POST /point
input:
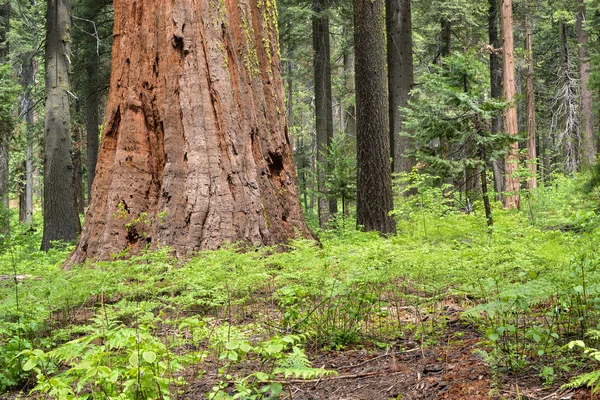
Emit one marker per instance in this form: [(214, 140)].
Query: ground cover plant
[(233, 324)]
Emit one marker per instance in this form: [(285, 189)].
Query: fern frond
[(590, 379), (297, 365)]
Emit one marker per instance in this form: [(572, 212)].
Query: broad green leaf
[(30, 364), (134, 360), (149, 356)]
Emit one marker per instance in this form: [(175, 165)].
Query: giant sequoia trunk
[(374, 184), (60, 216), (400, 79), (195, 151)]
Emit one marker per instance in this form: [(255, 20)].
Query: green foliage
[(340, 167), (589, 379), (448, 114), (8, 95), (152, 326)]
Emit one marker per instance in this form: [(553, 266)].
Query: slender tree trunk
[(446, 37), (569, 116), (26, 110), (400, 79), (195, 151), (323, 104), (587, 113), (92, 122), (4, 125), (445, 49), (495, 89), (530, 103), (350, 111), (511, 182), (374, 186), (60, 215), (22, 192)]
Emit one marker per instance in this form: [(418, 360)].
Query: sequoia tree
[(374, 184), (60, 216), (195, 151)]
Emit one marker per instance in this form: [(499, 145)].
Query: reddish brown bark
[(511, 182), (195, 132)]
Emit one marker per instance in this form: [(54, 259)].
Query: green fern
[(590, 379), (297, 365)]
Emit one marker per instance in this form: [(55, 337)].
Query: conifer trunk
[(323, 104), (4, 125), (26, 110), (587, 114), (511, 181), (195, 151), (60, 215), (350, 110), (530, 103), (374, 185), (495, 88), (400, 79)]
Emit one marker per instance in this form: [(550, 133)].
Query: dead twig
[(382, 356)]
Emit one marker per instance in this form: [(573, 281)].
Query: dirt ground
[(452, 369)]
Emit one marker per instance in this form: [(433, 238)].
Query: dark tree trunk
[(60, 214), (530, 103), (92, 121), (4, 125), (195, 152), (495, 88), (587, 113), (511, 164), (323, 104), (400, 79), (446, 38), (374, 185)]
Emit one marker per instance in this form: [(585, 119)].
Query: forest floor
[(451, 369), (447, 309)]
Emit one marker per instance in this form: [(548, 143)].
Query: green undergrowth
[(243, 323)]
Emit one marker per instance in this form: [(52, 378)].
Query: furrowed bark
[(195, 152), (511, 182), (374, 184)]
